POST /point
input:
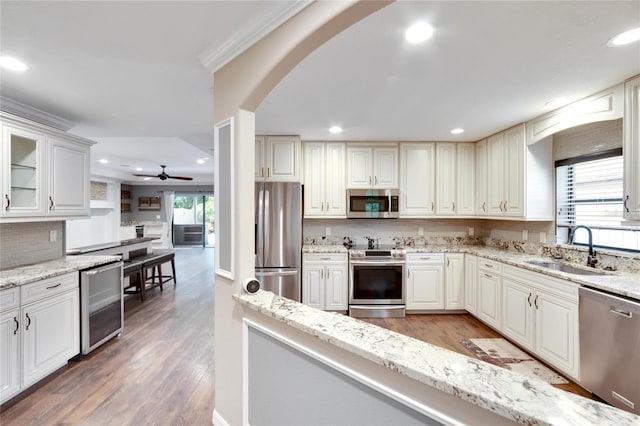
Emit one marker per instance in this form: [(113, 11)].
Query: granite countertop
[(27, 274), (504, 392), (621, 283), (104, 246)]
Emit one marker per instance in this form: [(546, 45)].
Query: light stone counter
[(324, 249), (30, 273), (504, 392)]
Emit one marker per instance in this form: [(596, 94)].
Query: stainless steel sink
[(563, 267)]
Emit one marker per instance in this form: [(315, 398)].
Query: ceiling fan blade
[(180, 177), (139, 175)]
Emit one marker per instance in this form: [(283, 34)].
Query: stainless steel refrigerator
[(278, 229)]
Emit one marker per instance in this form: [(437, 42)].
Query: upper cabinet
[(517, 178), (481, 171), (455, 179), (45, 172), (372, 167), (277, 158), (417, 179), (324, 179), (631, 149)]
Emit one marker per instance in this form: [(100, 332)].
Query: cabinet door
[(259, 161), (23, 154), (9, 354), (359, 167), (517, 312), (631, 147), (471, 283), (385, 167), (425, 286), (557, 332), (481, 178), (445, 178), (282, 158), (454, 281), (465, 179), (336, 287), (68, 183), (417, 179), (51, 335), (314, 179), (514, 166), (313, 284), (496, 175), (334, 171), (489, 298)]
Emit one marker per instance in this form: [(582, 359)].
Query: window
[(589, 192)]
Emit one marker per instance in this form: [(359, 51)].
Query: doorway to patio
[(193, 220)]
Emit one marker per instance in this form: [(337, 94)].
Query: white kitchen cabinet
[(489, 292), (325, 281), (45, 172), (277, 158), (454, 281), (425, 281), (541, 314), (69, 172), (481, 171), (39, 331), (372, 167), (455, 179), (471, 283), (417, 180), (631, 149), (519, 176), (324, 179)]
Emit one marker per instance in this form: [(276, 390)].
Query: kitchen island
[(122, 247)]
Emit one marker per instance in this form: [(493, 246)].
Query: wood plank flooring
[(447, 330), (160, 371)]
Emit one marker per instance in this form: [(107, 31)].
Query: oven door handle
[(377, 262)]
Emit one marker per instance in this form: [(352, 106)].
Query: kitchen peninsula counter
[(504, 392), (29, 273), (110, 245)]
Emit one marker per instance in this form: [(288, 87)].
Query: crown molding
[(215, 58), (34, 114)]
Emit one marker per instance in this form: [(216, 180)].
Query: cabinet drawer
[(324, 257), (9, 298), (48, 287), (552, 285), (490, 265), (425, 257)]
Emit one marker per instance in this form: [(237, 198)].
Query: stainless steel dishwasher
[(610, 348), (101, 305)]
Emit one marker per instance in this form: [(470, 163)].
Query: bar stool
[(133, 270), (154, 262)]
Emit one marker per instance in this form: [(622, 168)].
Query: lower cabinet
[(325, 281), (489, 292), (425, 281), (454, 281), (40, 335), (471, 283)]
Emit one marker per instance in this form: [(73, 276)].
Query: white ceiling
[(130, 75)]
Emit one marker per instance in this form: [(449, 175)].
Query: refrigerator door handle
[(266, 226), (276, 274), (260, 230)]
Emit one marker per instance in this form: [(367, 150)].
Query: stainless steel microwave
[(372, 203)]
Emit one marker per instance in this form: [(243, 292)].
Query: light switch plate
[(525, 234), (472, 231), (327, 231), (53, 236), (543, 237), (420, 231)]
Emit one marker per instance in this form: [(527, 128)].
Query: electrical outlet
[(543, 237), (525, 234), (472, 231), (53, 236), (158, 216), (327, 231), (420, 231)]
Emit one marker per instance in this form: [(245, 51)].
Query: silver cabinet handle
[(433, 206), (453, 209), (261, 171), (408, 273), (425, 258), (369, 180), (529, 299), (376, 180), (50, 203), (9, 202), (625, 204), (17, 326), (535, 302), (488, 276), (626, 314), (54, 286), (484, 203), (322, 273), (325, 258), (448, 262), (488, 265), (327, 206), (29, 323), (268, 172)]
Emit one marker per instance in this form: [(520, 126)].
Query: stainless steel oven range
[(377, 285)]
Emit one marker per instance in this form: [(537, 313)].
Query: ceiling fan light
[(625, 38)]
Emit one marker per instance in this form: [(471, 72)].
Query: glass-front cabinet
[(22, 174)]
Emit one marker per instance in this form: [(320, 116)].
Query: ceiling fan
[(164, 175)]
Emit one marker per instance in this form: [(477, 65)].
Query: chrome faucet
[(591, 259)]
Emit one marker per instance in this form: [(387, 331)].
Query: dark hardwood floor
[(160, 371), (447, 330)]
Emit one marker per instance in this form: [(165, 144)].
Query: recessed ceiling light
[(200, 161), (138, 169), (12, 64), (625, 38), (418, 32), (457, 131), (103, 160), (147, 178), (335, 129)]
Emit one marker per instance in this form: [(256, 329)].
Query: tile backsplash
[(28, 243)]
